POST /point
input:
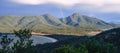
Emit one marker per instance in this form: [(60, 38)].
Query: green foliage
[(65, 49), (5, 41), (94, 46), (23, 45), (110, 36), (90, 46), (70, 49)]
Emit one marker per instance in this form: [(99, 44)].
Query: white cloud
[(37, 2), (68, 2), (99, 5)]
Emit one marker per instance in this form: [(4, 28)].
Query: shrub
[(5, 41), (23, 45), (90, 46)]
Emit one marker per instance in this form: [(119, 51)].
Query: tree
[(89, 46), (5, 41), (23, 44)]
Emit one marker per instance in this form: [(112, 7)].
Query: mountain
[(47, 22), (12, 22), (115, 24), (45, 19), (78, 20)]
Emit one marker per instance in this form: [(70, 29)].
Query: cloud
[(37, 2), (99, 5), (107, 8), (68, 2)]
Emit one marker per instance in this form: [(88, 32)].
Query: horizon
[(105, 10)]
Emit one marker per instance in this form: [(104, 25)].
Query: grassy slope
[(44, 23)]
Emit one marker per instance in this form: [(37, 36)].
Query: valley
[(49, 33), (59, 26)]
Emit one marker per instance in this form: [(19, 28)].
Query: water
[(36, 39)]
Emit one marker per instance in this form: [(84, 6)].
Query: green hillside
[(78, 20), (75, 24)]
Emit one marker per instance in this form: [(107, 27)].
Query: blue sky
[(107, 10)]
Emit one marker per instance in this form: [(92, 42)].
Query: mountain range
[(115, 24), (76, 20)]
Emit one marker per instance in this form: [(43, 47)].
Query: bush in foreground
[(90, 46), (23, 45)]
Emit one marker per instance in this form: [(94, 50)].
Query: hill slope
[(12, 22), (77, 20), (110, 36), (75, 23)]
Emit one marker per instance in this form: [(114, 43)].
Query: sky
[(107, 10)]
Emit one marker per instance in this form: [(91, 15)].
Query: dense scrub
[(106, 39), (106, 42), (88, 47), (78, 45)]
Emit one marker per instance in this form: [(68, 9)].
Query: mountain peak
[(76, 14), (47, 14), (78, 20)]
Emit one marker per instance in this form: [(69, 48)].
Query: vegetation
[(23, 45), (75, 24), (79, 31), (110, 36), (5, 41), (78, 20), (87, 46), (65, 44)]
